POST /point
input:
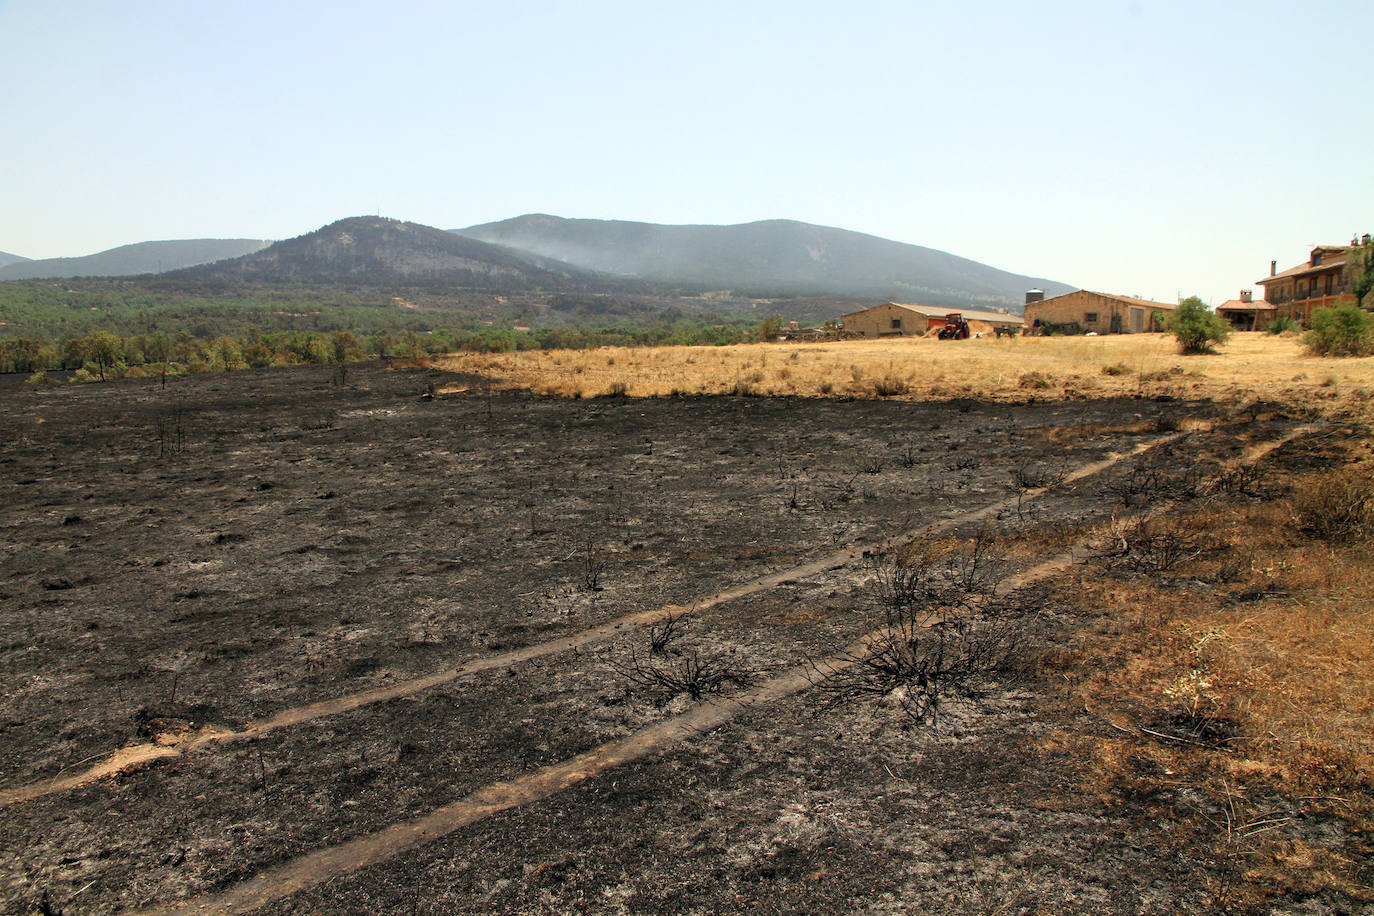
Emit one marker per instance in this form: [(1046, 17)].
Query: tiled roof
[(1147, 303), (1240, 305), (1306, 267)]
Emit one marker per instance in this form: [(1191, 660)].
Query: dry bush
[(1152, 545), (890, 386), (685, 673), (671, 671), (1336, 506), (939, 635)]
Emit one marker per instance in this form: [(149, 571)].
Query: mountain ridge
[(777, 255), (133, 259), (376, 249), (6, 258)]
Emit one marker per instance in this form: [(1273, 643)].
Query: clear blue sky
[(1130, 146)]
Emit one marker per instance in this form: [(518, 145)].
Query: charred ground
[(191, 560)]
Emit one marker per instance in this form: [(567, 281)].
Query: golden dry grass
[(1249, 366), (1289, 669)]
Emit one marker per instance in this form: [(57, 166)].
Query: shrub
[(938, 636), (1284, 325), (1346, 330), (890, 385), (1196, 327), (1337, 507), (682, 672)]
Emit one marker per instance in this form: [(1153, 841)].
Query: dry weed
[(1250, 367), (1253, 695)]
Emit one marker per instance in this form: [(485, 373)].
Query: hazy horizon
[(1150, 149)]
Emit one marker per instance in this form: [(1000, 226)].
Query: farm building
[(1325, 280), (899, 319), (1084, 310), (1245, 314)]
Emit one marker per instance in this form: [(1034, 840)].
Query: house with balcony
[(1325, 280)]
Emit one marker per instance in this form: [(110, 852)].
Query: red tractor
[(956, 328)]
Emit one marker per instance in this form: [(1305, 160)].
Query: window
[(1090, 317), (896, 324)]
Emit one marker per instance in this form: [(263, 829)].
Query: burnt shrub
[(941, 632), (675, 672), (1152, 545)]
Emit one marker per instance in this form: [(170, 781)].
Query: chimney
[(1273, 267), (1246, 296)]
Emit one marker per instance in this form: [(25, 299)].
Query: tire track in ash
[(707, 715), (167, 746)]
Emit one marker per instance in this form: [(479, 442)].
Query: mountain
[(370, 249), (7, 258), (128, 260), (769, 257)]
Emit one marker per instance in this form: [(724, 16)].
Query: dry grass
[(1256, 702), (1250, 366)]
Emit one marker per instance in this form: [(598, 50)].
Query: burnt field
[(282, 642)]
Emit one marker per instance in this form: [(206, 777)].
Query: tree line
[(105, 354)]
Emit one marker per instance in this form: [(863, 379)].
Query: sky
[(1145, 148)]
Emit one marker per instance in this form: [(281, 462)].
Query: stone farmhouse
[(899, 319), (1082, 311)]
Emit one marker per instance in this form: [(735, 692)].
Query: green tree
[(21, 354), (1196, 327), (226, 353), (72, 353), (1346, 330), (158, 349), (105, 350), (379, 344), (771, 328), (1360, 263), (343, 346)]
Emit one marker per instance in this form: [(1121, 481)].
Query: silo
[(1035, 295)]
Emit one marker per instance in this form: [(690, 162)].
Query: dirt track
[(213, 556)]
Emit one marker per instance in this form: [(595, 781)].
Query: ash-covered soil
[(207, 556)]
